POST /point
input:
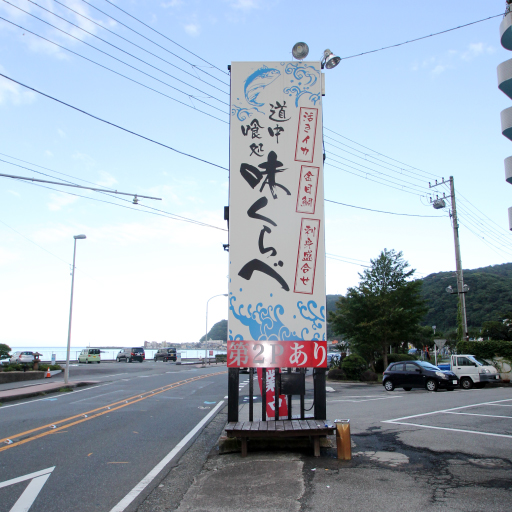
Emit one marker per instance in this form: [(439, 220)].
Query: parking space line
[(366, 400), (446, 410), (474, 414), (491, 434)]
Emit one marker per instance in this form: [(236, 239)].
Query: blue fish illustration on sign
[(256, 82)]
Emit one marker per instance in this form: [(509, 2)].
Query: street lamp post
[(66, 372), (206, 335)]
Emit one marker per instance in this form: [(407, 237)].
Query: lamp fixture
[(300, 51), (329, 60)]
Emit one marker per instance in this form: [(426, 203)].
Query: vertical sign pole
[(277, 391), (251, 378), (233, 379), (303, 376), (264, 394), (289, 400), (320, 394)]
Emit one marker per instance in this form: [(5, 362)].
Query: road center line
[(86, 416), (128, 499)]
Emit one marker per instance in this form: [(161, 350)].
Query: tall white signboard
[(276, 216)]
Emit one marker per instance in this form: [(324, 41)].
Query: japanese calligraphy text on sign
[(277, 246)]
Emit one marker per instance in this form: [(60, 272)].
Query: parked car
[(22, 357), (128, 355), (165, 354), (90, 355), (417, 374), (472, 370)]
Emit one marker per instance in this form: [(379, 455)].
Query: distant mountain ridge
[(490, 294)]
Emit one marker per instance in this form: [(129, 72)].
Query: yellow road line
[(86, 416)]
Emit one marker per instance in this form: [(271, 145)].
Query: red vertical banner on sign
[(271, 395)]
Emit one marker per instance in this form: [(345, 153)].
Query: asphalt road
[(99, 454)]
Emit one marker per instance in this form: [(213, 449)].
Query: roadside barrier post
[(343, 443)]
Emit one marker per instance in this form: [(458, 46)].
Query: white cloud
[(192, 29), (6, 256), (14, 193), (449, 60), (171, 3), (13, 93), (61, 133), (48, 153), (106, 179), (245, 5), (59, 200)]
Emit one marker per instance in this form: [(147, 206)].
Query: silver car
[(22, 357)]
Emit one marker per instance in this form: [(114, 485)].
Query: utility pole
[(462, 289)]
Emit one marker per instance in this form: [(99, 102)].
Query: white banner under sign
[(276, 203)]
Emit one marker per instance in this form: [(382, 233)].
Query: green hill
[(490, 293)]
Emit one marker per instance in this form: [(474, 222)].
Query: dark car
[(166, 354), (417, 374), (128, 355)]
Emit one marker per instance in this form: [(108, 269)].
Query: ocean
[(108, 354)]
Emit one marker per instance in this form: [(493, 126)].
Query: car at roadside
[(24, 356), (128, 355), (418, 374), (165, 354), (90, 355)]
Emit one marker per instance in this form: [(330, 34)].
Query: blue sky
[(432, 105)]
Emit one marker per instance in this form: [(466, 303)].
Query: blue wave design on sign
[(264, 323), (306, 77)]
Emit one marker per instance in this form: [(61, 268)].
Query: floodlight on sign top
[(300, 51), (329, 60)]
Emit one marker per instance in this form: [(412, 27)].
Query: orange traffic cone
[(48, 374)]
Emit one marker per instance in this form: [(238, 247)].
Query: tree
[(501, 330), (4, 351), (383, 311)]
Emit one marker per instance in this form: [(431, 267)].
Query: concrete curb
[(43, 389)]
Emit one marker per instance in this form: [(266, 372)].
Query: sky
[(393, 121)]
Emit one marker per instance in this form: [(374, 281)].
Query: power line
[(381, 154), (168, 216), (159, 33), (420, 38), (413, 185), (366, 156), (115, 58), (113, 124), (174, 215), (138, 46), (120, 49), (111, 70), (380, 211), (32, 242)]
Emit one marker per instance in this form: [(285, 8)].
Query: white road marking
[(366, 400), (128, 499), (450, 429), (68, 394), (38, 479), (501, 405), (474, 414), (447, 410)]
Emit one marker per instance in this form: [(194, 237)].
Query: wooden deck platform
[(244, 430)]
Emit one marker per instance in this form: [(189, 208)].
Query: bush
[(221, 358), (486, 349), (369, 376), (393, 358), (336, 374), (43, 367), (353, 366), (13, 368)]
